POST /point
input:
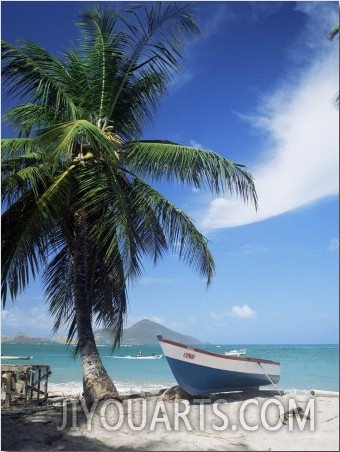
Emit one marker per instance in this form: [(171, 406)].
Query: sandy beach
[(258, 420)]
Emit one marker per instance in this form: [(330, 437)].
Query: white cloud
[(31, 321), (244, 312), (300, 164)]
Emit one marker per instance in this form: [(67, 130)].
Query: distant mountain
[(22, 338), (141, 333), (145, 332)]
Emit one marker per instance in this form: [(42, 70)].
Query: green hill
[(145, 332)]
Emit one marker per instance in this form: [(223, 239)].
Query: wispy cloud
[(210, 24), (213, 20), (244, 312), (263, 9), (180, 80), (300, 164), (148, 281), (323, 315), (195, 144), (334, 245), (249, 249)]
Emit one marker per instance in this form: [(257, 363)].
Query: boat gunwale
[(218, 355)]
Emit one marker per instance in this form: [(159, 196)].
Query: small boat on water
[(153, 356), (202, 372), (239, 352), (16, 357), (150, 357)]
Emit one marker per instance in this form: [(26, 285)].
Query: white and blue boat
[(201, 372)]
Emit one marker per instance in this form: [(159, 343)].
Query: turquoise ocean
[(303, 367)]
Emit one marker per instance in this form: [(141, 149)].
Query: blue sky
[(256, 87)]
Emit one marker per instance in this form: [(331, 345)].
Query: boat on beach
[(201, 372), (235, 352)]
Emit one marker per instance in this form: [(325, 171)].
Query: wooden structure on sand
[(24, 383)]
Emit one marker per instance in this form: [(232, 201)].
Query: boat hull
[(149, 357), (201, 372), (16, 357)]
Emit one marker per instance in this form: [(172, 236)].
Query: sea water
[(303, 367)]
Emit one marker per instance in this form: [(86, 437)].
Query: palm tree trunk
[(97, 385)]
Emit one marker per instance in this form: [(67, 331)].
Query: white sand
[(235, 421)]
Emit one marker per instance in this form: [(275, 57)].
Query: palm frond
[(26, 239), (29, 71), (169, 161), (17, 147), (333, 33), (16, 183), (105, 196), (76, 141), (108, 296), (153, 48), (30, 117), (174, 226)]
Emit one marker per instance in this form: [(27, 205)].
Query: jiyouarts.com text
[(200, 414)]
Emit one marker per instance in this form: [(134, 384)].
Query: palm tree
[(77, 201)]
